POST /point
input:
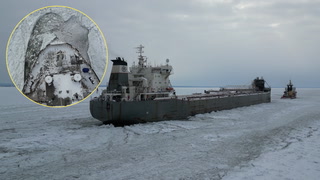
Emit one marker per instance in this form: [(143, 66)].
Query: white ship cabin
[(142, 82), (149, 82)]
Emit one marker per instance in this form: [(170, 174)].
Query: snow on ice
[(277, 140)]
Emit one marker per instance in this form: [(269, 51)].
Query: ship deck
[(201, 96)]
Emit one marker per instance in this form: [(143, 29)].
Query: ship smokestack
[(119, 75)]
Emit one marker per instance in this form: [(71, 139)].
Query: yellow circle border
[(104, 41)]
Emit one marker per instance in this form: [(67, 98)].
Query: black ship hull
[(131, 112)]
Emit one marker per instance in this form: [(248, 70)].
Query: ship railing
[(237, 89), (218, 95), (230, 91), (164, 98), (152, 96), (200, 96), (204, 96)]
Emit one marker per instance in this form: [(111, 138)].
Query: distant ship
[(290, 92), (145, 94)]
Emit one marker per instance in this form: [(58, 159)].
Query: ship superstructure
[(145, 94), (142, 82)]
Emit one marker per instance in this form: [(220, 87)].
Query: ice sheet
[(276, 140)]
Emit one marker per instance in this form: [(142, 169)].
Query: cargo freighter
[(144, 94)]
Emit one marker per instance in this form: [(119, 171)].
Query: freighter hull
[(145, 94), (130, 112)]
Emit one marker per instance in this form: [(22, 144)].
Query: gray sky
[(208, 42)]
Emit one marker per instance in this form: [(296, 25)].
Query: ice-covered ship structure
[(145, 94), (290, 92), (60, 76), (58, 70)]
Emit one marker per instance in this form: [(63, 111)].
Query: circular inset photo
[(56, 56)]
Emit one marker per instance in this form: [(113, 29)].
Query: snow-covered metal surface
[(277, 140), (55, 30)]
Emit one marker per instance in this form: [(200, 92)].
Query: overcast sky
[(208, 42)]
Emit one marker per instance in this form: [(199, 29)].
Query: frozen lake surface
[(277, 140)]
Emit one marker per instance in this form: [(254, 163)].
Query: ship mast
[(142, 62)]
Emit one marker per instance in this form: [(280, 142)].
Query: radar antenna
[(141, 58), (140, 51)]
